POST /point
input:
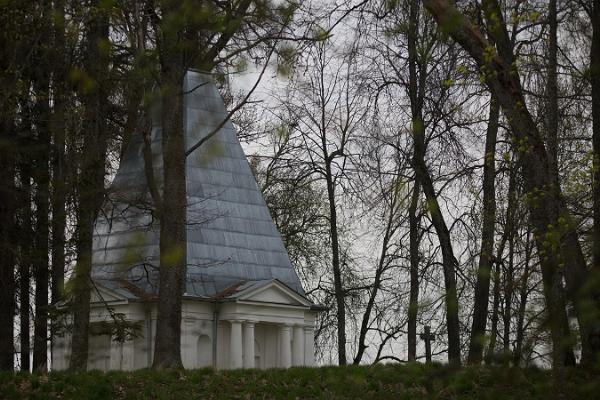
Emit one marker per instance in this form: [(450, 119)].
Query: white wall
[(197, 335)]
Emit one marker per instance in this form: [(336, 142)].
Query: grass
[(412, 382)]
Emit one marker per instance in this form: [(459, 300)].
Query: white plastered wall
[(268, 317)]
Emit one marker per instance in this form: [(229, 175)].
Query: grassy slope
[(382, 382)]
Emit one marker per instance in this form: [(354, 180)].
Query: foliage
[(412, 381)]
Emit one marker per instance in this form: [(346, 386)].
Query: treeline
[(433, 164), (427, 163), (77, 79)]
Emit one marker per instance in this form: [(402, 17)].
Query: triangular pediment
[(101, 294), (273, 293)]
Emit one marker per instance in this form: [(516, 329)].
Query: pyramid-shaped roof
[(231, 236)]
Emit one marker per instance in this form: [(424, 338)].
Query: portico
[(269, 325), (290, 346)]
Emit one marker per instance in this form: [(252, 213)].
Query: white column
[(249, 344), (115, 353), (285, 346), (309, 346), (298, 346), (127, 356), (235, 349)]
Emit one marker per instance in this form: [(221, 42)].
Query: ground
[(368, 382)]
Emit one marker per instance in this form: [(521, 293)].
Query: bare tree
[(505, 83), (595, 78), (325, 112)]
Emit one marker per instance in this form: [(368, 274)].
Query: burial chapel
[(244, 305)]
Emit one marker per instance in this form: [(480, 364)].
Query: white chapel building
[(243, 306)]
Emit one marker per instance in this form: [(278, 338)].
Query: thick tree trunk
[(173, 248), (572, 257), (172, 224), (91, 180), (413, 302), (173, 232), (545, 203), (176, 45), (482, 287)]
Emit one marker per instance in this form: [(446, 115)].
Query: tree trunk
[(41, 262), (91, 180), (173, 230), (173, 257), (381, 266), (448, 259), (417, 76), (508, 292), (595, 78), (7, 227), (417, 80), (413, 302), (482, 287), (338, 284), (511, 210), (176, 43), (10, 17), (551, 114), (25, 266), (336, 264), (58, 129), (545, 203), (523, 293), (491, 352), (572, 261)]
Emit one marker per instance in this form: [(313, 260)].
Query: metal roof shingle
[(231, 236)]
